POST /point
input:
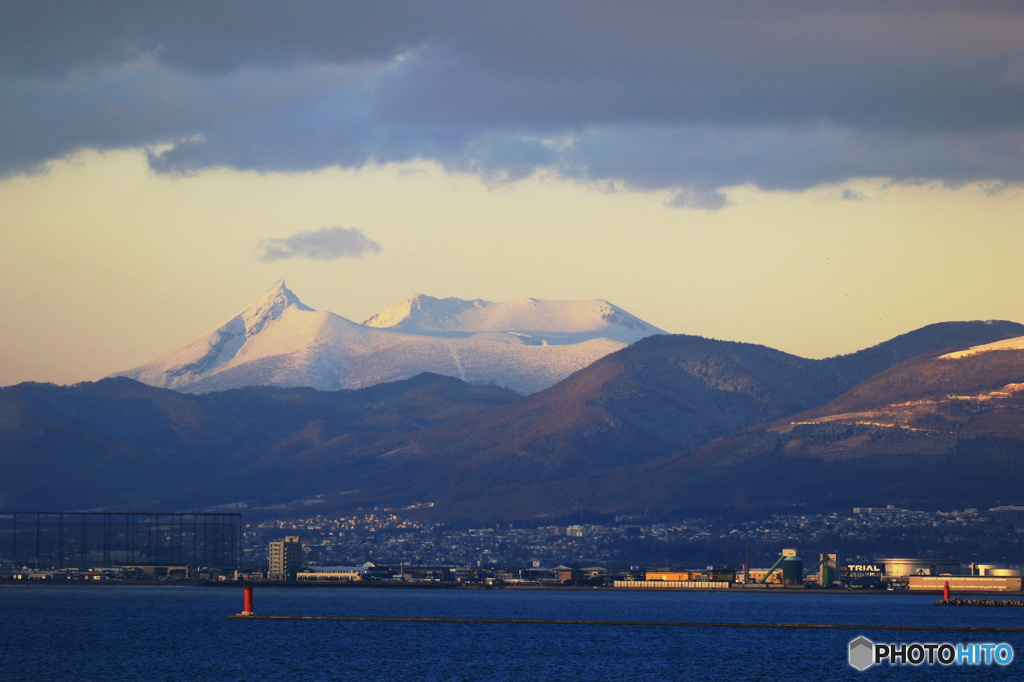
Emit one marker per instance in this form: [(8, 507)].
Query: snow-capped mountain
[(530, 318), (527, 344)]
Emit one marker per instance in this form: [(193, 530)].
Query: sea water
[(85, 632)]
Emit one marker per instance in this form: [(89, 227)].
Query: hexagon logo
[(862, 653)]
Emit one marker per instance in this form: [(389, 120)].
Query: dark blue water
[(183, 633)]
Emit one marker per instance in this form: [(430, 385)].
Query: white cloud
[(327, 243)]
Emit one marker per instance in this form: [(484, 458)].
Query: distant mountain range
[(669, 423), (526, 345), (118, 442), (938, 431)]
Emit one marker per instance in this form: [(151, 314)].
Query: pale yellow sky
[(105, 265)]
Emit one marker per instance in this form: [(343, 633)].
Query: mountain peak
[(526, 344), (424, 313), (269, 307)]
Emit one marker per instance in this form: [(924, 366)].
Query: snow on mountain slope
[(526, 345), (211, 352), (553, 321), (1006, 344)]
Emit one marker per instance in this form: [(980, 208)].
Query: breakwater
[(953, 601)]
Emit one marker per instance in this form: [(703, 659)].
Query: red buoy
[(247, 600), (945, 591)]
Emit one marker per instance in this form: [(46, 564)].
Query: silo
[(792, 570), (827, 573)]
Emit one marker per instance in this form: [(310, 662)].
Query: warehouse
[(965, 583)]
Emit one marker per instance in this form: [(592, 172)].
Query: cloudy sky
[(813, 176)]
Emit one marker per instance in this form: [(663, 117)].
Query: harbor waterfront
[(161, 632)]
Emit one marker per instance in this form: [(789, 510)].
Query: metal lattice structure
[(62, 539)]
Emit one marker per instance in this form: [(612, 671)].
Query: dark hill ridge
[(669, 422), (423, 401), (935, 337), (929, 377), (602, 438), (929, 432), (119, 442), (113, 442), (660, 395)]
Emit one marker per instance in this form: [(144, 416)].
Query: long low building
[(720, 575), (331, 574), (676, 584), (965, 583)]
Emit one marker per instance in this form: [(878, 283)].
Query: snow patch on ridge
[(1006, 344)]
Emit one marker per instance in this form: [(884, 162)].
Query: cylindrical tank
[(1004, 572), (1000, 570), (828, 574), (901, 567), (792, 570)]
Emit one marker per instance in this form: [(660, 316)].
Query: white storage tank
[(901, 567)]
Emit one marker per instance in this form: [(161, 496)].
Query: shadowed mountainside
[(671, 422), (118, 442), (931, 432)]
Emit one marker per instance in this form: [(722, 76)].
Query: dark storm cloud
[(688, 97), (328, 243)]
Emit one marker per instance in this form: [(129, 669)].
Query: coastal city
[(869, 547), (389, 536)]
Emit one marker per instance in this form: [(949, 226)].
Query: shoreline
[(367, 585)]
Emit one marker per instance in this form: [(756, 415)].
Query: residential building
[(285, 558)]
